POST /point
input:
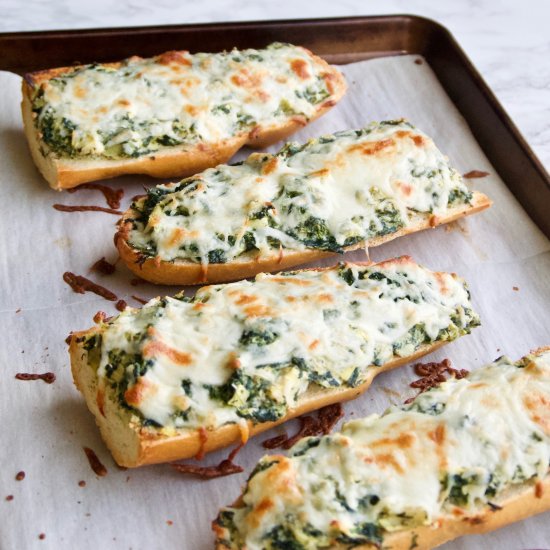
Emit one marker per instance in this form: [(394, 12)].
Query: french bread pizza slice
[(353, 189), (170, 115), (466, 457), (184, 376)]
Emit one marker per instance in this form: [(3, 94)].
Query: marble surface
[(507, 40)]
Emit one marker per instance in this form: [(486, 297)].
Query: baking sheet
[(501, 253)]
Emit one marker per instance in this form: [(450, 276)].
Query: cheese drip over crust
[(453, 450), (249, 350), (145, 105), (328, 194)]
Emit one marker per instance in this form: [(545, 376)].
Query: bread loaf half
[(181, 377), (466, 457), (349, 190)]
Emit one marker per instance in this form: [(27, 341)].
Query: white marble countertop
[(507, 40)]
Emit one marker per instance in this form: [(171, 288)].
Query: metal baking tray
[(339, 40)]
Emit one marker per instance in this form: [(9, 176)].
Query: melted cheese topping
[(249, 350), (330, 193), (452, 451), (178, 99)]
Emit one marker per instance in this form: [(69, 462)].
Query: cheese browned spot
[(299, 67), (141, 390), (454, 453), (154, 348), (179, 57), (371, 147)]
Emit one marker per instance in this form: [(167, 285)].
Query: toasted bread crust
[(516, 505), (182, 272), (177, 161)]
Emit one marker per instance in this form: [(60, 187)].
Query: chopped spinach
[(262, 213), (290, 149), (285, 108), (379, 276), (388, 219), (341, 499), (123, 370), (245, 121), (415, 337), (225, 519), (315, 93), (57, 132), (250, 395), (224, 108), (353, 380), (460, 196), (249, 241), (424, 405), (314, 233), (222, 393), (305, 444), (262, 466), (458, 484), (363, 532), (281, 537), (187, 385), (217, 256), (92, 342), (346, 273), (258, 336)]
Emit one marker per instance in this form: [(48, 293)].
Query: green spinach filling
[(255, 393), (130, 134), (292, 219)]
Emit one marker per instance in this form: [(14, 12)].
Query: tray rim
[(253, 23)]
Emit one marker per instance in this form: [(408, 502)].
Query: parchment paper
[(501, 253)]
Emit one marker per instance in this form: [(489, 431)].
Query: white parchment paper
[(501, 253)]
